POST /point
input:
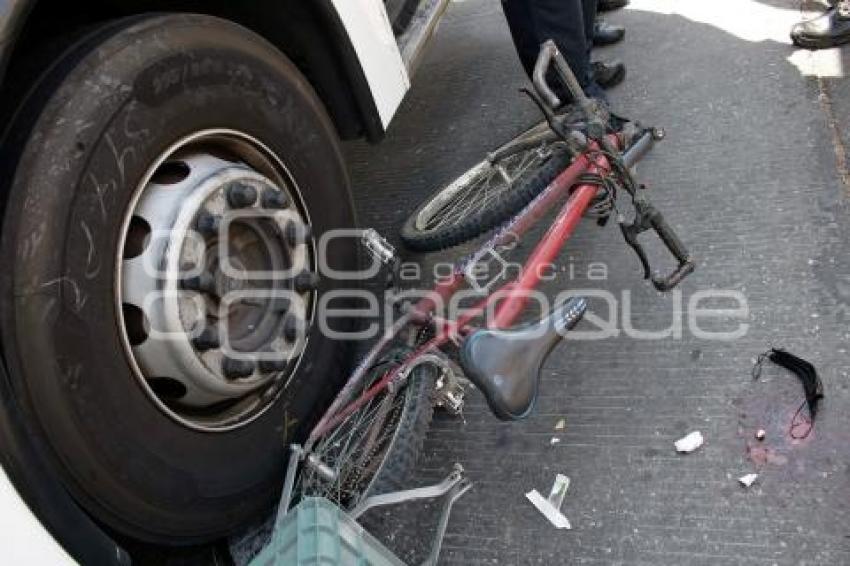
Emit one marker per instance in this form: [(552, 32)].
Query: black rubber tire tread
[(474, 225), (141, 496), (400, 459)]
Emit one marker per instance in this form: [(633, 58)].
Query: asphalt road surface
[(754, 176)]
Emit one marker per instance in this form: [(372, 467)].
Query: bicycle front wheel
[(484, 197)]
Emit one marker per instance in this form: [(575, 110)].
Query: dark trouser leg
[(520, 19), (588, 8), (564, 22), (568, 22), (534, 21)]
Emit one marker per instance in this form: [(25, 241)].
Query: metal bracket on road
[(454, 494), (453, 487), (395, 497)]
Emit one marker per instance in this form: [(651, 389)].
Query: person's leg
[(532, 22), (588, 10), (608, 5), (564, 22), (604, 74), (521, 23)]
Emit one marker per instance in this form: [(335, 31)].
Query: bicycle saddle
[(505, 364)]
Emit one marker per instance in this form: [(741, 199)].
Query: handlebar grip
[(676, 247), (664, 284), (669, 237), (544, 59)]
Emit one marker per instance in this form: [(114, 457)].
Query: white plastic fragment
[(561, 424), (690, 442), (551, 507), (760, 434), (555, 517), (748, 479), (555, 440), (559, 491)]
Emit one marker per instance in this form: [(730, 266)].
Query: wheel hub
[(212, 289)]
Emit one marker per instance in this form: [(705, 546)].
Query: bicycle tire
[(398, 459), (510, 202)]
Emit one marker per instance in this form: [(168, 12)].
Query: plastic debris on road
[(555, 440), (748, 479), (551, 506), (690, 442), (561, 424)]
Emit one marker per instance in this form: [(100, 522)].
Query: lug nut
[(236, 369), (188, 266), (240, 195), (273, 366), (306, 281), (203, 283), (275, 199), (292, 327), (281, 304), (208, 224), (207, 340), (297, 233)]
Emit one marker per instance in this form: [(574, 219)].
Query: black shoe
[(593, 90), (817, 5), (828, 30), (608, 74), (608, 5), (606, 34)]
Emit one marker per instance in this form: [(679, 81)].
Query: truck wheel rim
[(216, 280)]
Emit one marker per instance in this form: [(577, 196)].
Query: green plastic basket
[(317, 532)]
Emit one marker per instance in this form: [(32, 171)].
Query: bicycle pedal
[(450, 393), (378, 247)]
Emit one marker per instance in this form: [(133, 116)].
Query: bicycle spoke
[(487, 187), (355, 449)]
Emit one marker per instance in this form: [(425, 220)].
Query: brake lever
[(630, 234), (648, 217)]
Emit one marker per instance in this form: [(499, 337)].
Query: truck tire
[(195, 105)]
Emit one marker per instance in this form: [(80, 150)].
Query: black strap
[(805, 371)]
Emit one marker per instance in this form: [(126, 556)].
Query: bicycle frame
[(570, 187), (514, 294)]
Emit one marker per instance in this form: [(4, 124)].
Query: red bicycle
[(367, 442)]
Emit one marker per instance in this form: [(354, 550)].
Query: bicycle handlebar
[(676, 247), (648, 217), (550, 53), (541, 67)]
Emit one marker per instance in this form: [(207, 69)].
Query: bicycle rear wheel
[(484, 197), (375, 449)]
